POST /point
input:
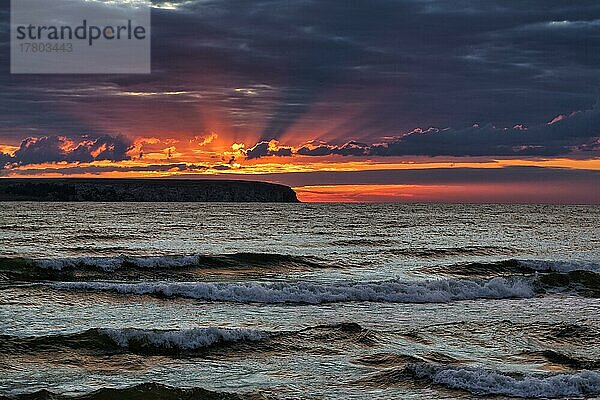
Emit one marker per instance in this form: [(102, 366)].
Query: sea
[(298, 301)]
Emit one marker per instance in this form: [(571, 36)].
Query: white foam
[(190, 339), (561, 266), (481, 381), (430, 291)]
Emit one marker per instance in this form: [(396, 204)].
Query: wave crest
[(126, 267), (143, 341), (191, 339), (430, 291), (142, 391), (480, 381)]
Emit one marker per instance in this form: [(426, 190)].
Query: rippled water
[(299, 300)]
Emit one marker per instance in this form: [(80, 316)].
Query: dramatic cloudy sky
[(409, 100)]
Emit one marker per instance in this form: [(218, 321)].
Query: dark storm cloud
[(351, 148), (99, 169), (578, 132), (4, 160), (559, 138), (451, 64), (432, 63), (111, 168), (52, 149), (259, 150), (263, 149)]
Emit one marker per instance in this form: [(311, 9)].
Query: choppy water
[(299, 301)]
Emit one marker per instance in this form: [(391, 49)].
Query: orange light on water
[(522, 192)]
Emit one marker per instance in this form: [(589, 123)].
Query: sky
[(380, 100)]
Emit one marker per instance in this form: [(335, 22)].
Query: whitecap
[(430, 291)]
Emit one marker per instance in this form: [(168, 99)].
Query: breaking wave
[(191, 339), (481, 381), (430, 291), (73, 268), (176, 261), (196, 341), (142, 391), (146, 341)]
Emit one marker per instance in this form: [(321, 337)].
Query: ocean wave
[(480, 269), (25, 269), (585, 283), (513, 267), (142, 391), (564, 359), (145, 341), (429, 291), (426, 252), (487, 382), (109, 264), (191, 339), (364, 242), (239, 260), (482, 381), (191, 342), (570, 332), (560, 266)]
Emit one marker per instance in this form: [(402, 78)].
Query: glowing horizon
[(309, 96)]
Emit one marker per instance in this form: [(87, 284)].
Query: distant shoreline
[(143, 190)]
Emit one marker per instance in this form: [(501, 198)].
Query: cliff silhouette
[(143, 190)]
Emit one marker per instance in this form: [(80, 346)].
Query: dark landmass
[(143, 190)]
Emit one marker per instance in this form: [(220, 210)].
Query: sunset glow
[(309, 97), (474, 193)]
